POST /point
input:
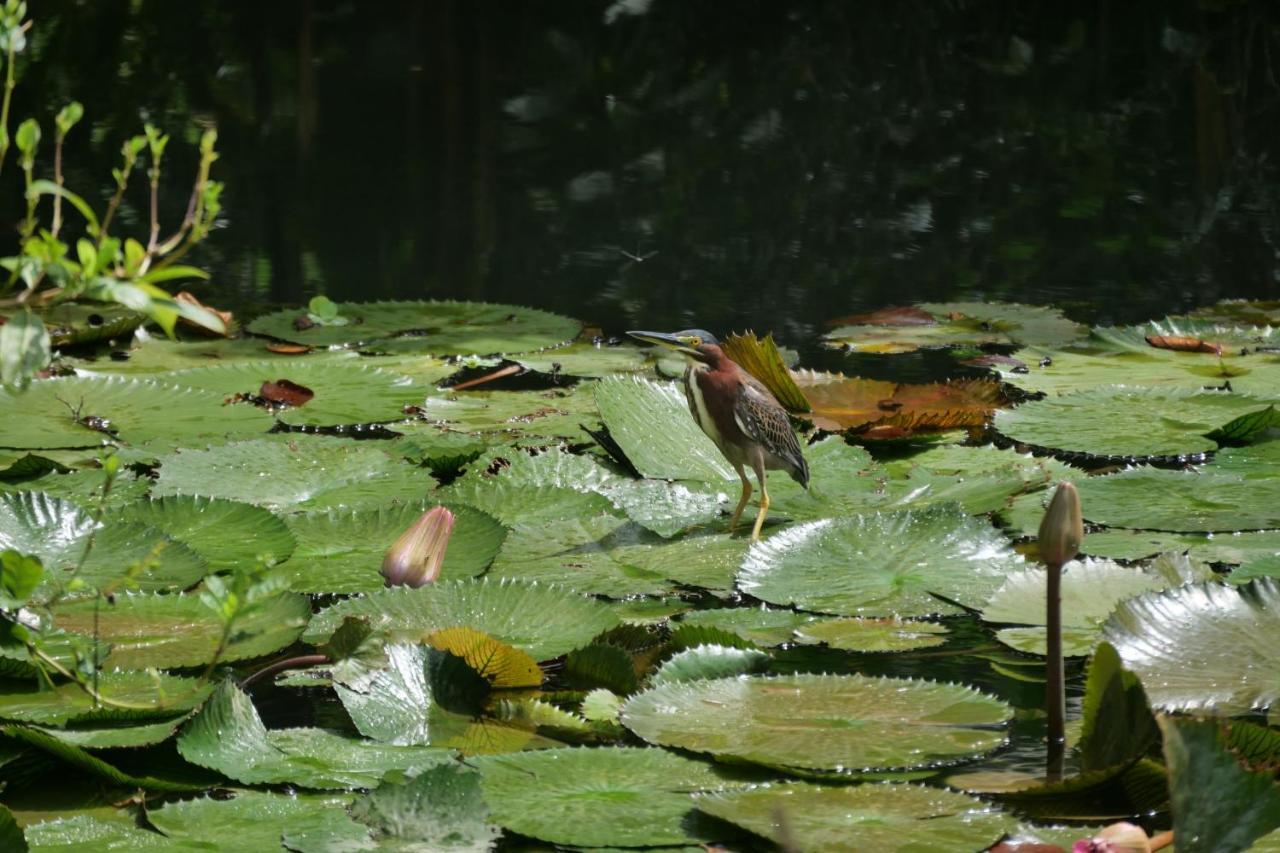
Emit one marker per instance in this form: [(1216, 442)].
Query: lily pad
[(1234, 548), (821, 722), (441, 328), (556, 413), (1203, 647), (873, 635), (884, 817), (309, 474), (1091, 589), (257, 820), (760, 625), (169, 631), (963, 323), (72, 324), (55, 411), (1181, 501), (613, 796), (186, 778), (564, 620), (229, 535), (344, 393), (127, 695), (443, 809), (1127, 422), (87, 834), (935, 406), (1069, 371), (711, 661), (889, 564), (650, 422), (228, 736), (342, 551), (84, 488), (59, 532)]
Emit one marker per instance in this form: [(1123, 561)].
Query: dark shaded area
[(670, 164)]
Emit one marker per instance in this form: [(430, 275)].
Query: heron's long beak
[(674, 342)]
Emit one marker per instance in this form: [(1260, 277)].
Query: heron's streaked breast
[(697, 405)]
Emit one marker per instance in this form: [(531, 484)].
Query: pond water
[(657, 164)]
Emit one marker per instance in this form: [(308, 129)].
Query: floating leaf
[(230, 536), (127, 695), (711, 662), (890, 564), (227, 735), (341, 551), (499, 664), (821, 722), (872, 635), (58, 413), (613, 796), (443, 328), (760, 625), (601, 665), (762, 360), (1127, 422), (1186, 501), (170, 631), (258, 820), (97, 767), (441, 810), (1202, 647), (1118, 727), (959, 323), (939, 405), (565, 620), (312, 474), (880, 817)]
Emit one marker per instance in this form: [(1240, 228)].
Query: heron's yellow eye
[(695, 341)]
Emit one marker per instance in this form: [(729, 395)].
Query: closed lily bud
[(1062, 530), (1116, 838), (416, 557)]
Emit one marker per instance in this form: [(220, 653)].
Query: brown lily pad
[(288, 349), (894, 315), (1183, 343), (285, 392), (853, 403)]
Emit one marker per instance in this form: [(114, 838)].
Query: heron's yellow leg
[(764, 510), (742, 501)]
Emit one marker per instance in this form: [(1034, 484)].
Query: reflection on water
[(654, 163)]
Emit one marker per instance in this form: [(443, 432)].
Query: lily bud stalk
[(1061, 533), (418, 555)]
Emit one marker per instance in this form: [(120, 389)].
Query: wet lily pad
[(442, 809), (821, 722), (1202, 647), (613, 796), (84, 487), (544, 621), (84, 833), (701, 662), (1127, 422), (650, 422), (229, 535), (70, 324), (128, 695), (342, 551), (882, 817), (935, 406), (890, 564), (257, 820), (963, 323), (312, 473), (556, 413), (873, 635), (168, 631), (1181, 501), (58, 533), (138, 412), (228, 736), (1090, 591), (1067, 371), (441, 328), (760, 625)]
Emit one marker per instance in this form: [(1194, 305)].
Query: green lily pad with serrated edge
[(886, 816), (1090, 591), (228, 736), (586, 359), (72, 324), (119, 736), (342, 551), (440, 328), (712, 661), (58, 532), (139, 412), (1233, 548), (609, 796), (1062, 372), (872, 635), (170, 631), (650, 422), (126, 695), (441, 809), (503, 610), (87, 833), (1136, 422), (344, 393), (258, 820), (186, 778), (83, 487), (821, 722), (229, 535), (890, 564), (760, 625), (1181, 501), (1204, 647), (288, 476), (526, 506), (556, 413), (964, 323)]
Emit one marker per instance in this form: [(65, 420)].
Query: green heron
[(738, 413)]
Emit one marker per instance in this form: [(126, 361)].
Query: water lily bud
[(1117, 838), (416, 557), (1062, 529)]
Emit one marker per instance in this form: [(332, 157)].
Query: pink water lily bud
[(417, 556), (1116, 838), (1062, 530)]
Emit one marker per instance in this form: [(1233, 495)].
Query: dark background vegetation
[(756, 163)]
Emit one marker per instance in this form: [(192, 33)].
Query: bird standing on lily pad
[(738, 413)]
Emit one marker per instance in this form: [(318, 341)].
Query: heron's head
[(694, 344)]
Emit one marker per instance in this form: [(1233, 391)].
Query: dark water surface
[(668, 163)]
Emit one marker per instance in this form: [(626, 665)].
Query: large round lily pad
[(544, 621), (1128, 421), (59, 412), (441, 328), (342, 551), (881, 564), (126, 695), (613, 796), (885, 817), (1206, 647), (821, 722), (1181, 501), (229, 535), (311, 473)]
